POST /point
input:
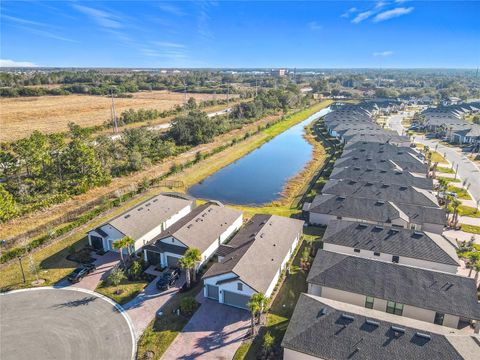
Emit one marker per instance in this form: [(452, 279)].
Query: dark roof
[(381, 163), (160, 247), (261, 246), (224, 250), (375, 190), (393, 241), (327, 330), (101, 232), (437, 291), (384, 176)]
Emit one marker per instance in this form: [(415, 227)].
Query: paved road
[(47, 323), (214, 332), (467, 170), (143, 308)]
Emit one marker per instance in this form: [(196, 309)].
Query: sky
[(241, 34)]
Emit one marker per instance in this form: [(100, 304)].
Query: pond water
[(259, 177)]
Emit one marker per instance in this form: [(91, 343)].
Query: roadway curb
[(120, 309)]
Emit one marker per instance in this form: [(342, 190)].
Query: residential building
[(322, 328), (205, 228), (253, 260), (426, 295), (142, 222)]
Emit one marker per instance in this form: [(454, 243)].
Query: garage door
[(172, 261), (97, 242), (153, 257), (234, 299), (212, 292)]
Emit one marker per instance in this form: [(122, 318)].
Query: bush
[(188, 305)]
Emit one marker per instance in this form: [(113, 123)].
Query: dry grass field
[(19, 117)]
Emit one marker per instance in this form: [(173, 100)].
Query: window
[(438, 318), (394, 308), (395, 259), (376, 254), (356, 250), (239, 286), (369, 302)]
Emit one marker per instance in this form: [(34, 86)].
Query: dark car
[(168, 279), (80, 272)]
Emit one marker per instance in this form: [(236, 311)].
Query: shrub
[(188, 305)]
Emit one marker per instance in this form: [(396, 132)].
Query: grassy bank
[(127, 290), (472, 229), (51, 260)]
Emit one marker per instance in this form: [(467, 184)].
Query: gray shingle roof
[(437, 291), (202, 226), (331, 330), (147, 215), (393, 241), (261, 247), (374, 190)]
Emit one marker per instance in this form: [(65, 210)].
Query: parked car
[(168, 279), (80, 272), (443, 195)]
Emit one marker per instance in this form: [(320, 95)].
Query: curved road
[(47, 323), (467, 169)]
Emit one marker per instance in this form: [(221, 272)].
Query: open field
[(21, 116)]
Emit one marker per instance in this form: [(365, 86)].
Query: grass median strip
[(472, 229)]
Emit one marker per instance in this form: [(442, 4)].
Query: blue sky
[(241, 34)]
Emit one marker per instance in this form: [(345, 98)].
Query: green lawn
[(437, 157), (472, 229), (163, 330), (468, 211), (448, 179), (128, 290), (445, 170), (461, 192), (281, 309)]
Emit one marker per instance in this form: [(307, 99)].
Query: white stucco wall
[(295, 355), (434, 228), (230, 286), (368, 254)]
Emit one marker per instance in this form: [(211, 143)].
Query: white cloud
[(101, 17), (22, 21), (170, 9), (313, 25), (362, 16), (383, 53), (390, 14), (347, 13), (167, 44), (13, 63)]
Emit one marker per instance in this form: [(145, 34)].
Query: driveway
[(214, 332), (48, 323), (467, 169), (143, 308), (104, 264)]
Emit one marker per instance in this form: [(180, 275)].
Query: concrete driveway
[(48, 323), (104, 264), (214, 332), (143, 308)]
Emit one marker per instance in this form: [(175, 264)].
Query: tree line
[(45, 169)]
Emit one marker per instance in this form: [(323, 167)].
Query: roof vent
[(372, 322), (323, 311), (385, 186), (403, 188), (369, 183), (398, 329), (347, 317), (148, 204), (340, 198), (362, 226), (155, 200), (423, 335), (356, 168), (140, 209), (379, 202), (383, 171), (126, 216)]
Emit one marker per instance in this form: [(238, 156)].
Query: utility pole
[(114, 115)]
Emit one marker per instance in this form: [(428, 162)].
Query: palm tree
[(195, 255), (256, 305), (128, 243), (119, 245), (442, 185), (187, 263), (455, 203)]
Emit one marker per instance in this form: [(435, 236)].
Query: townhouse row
[(386, 283)]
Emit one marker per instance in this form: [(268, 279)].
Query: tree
[(256, 305), (136, 269), (116, 277), (195, 255), (187, 305), (187, 264), (455, 203), (8, 206), (268, 341), (129, 243), (119, 245)]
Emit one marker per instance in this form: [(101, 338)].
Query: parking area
[(144, 307), (48, 323), (214, 332)]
